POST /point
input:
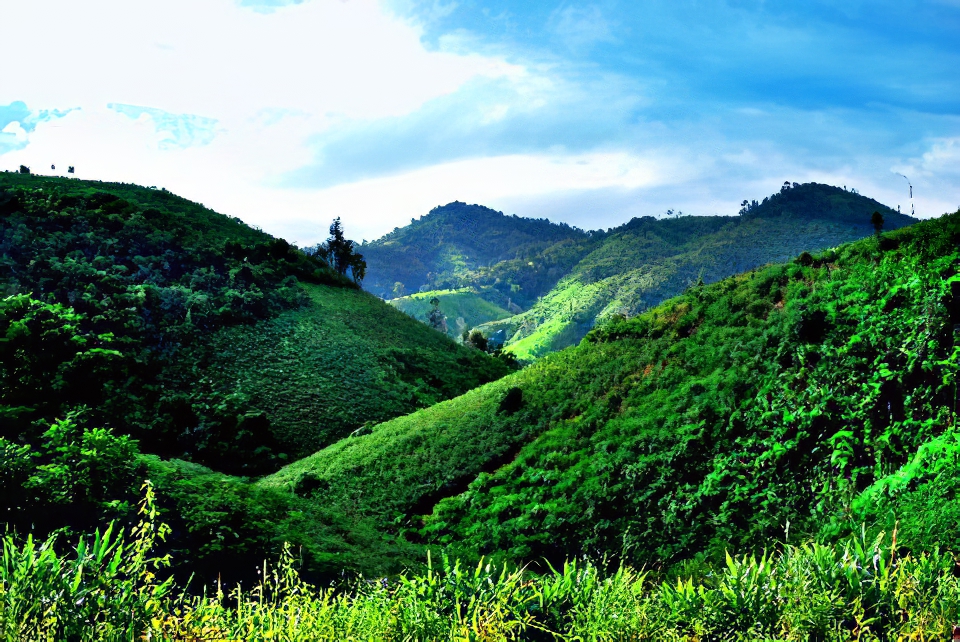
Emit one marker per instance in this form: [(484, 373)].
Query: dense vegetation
[(791, 414), (559, 289), (646, 261), (108, 589), (459, 245), (135, 322), (819, 393)]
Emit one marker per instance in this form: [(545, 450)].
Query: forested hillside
[(134, 321), (820, 392), (559, 291), (148, 338), (646, 261), (459, 245)]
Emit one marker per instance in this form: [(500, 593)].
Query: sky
[(288, 113)]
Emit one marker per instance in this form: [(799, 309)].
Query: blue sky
[(288, 113)]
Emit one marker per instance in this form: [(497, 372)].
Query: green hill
[(463, 309), (147, 337), (560, 282), (646, 261), (459, 245), (134, 321), (820, 392)]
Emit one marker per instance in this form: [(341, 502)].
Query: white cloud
[(212, 99), (215, 58), (370, 208), (934, 176), (180, 130), (943, 157), (222, 103)]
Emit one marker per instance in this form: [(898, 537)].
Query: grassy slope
[(706, 422), (565, 315), (647, 261), (193, 333), (464, 308), (167, 264), (342, 361)]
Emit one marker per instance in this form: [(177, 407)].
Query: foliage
[(135, 322), (340, 362), (559, 282), (106, 588), (646, 261), (340, 253), (154, 275), (169, 285), (454, 245), (710, 421), (862, 589)]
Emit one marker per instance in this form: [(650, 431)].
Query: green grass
[(636, 269), (231, 348), (707, 422), (339, 362), (464, 308), (564, 281), (147, 335)]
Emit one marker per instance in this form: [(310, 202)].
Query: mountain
[(819, 392), (459, 245), (777, 449), (135, 323), (146, 337), (646, 261), (566, 288)]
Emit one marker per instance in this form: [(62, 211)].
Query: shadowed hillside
[(459, 245), (560, 282)]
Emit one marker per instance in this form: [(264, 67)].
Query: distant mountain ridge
[(454, 246), (566, 286)]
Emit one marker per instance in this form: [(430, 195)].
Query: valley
[(701, 393)]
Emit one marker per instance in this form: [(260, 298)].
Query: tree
[(338, 248), (477, 340), (24, 169), (358, 267), (877, 221), (339, 253), (436, 318)]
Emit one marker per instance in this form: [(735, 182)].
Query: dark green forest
[(751, 442), (459, 245)]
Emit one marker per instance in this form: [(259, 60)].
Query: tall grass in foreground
[(106, 589)]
